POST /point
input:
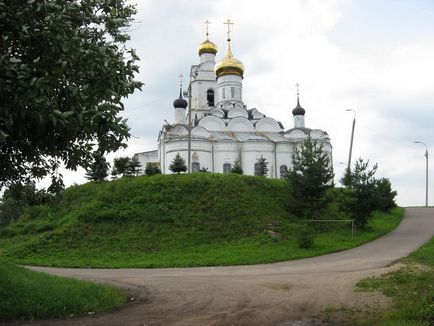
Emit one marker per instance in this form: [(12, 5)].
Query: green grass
[(411, 289), (26, 294), (200, 219)]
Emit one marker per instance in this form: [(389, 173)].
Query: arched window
[(257, 169), (210, 97), (195, 167), (227, 168), (232, 92), (224, 92), (283, 171)]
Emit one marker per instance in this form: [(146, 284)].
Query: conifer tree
[(236, 167), (178, 164), (134, 167), (120, 166), (98, 171), (309, 178), (261, 167)]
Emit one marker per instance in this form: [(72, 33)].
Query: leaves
[(64, 71)]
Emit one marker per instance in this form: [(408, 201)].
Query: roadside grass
[(411, 289), (26, 294), (200, 219)]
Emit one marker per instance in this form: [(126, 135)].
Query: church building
[(221, 129)]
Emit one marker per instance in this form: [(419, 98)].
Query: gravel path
[(301, 292)]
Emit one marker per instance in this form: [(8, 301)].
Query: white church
[(221, 128)]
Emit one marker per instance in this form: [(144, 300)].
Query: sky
[(373, 56)]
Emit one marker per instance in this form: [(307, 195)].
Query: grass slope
[(411, 289), (173, 220), (25, 294)]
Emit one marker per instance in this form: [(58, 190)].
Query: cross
[(207, 22), (297, 85), (180, 79), (229, 23)]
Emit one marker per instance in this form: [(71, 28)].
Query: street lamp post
[(426, 171), (189, 130), (352, 138)]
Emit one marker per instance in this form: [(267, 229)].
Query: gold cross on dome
[(207, 22), (297, 85), (229, 23)]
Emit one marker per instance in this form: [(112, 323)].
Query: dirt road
[(301, 292)]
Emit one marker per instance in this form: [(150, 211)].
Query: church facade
[(221, 129)]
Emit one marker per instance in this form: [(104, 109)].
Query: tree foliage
[(17, 196), (365, 193), (178, 164), (98, 171), (65, 69), (309, 178), (236, 167), (261, 167), (152, 168), (126, 167), (359, 198)]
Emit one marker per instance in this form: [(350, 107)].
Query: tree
[(309, 178), (17, 196), (358, 201), (152, 168), (178, 164), (236, 167), (261, 167), (134, 167), (384, 197), (121, 166), (98, 171), (65, 69)]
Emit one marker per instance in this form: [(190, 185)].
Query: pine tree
[(261, 167), (178, 164), (309, 178), (98, 171), (134, 167), (236, 167), (120, 166)]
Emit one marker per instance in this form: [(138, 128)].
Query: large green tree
[(64, 70), (309, 177)]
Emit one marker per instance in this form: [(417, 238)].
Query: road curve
[(252, 295)]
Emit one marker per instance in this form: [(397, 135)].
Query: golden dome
[(229, 65), (207, 47)]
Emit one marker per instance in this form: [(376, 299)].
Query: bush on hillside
[(152, 168)]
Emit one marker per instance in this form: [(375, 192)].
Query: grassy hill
[(173, 220)]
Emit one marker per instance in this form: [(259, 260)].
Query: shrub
[(152, 168), (305, 239)]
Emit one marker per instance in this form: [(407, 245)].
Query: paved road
[(258, 294)]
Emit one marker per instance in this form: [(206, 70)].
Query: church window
[(195, 167), (227, 168), (210, 97), (232, 92), (283, 171), (224, 93)]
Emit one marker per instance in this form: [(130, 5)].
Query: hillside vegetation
[(175, 220)]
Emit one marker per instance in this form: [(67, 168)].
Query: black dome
[(180, 103), (298, 109)]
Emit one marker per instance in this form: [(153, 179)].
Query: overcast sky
[(374, 56)]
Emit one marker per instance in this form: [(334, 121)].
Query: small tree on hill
[(152, 168), (310, 176), (384, 197), (358, 201), (120, 166), (98, 171), (178, 165), (261, 167), (236, 167), (134, 167)]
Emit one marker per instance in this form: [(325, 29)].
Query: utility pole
[(426, 171), (351, 142)]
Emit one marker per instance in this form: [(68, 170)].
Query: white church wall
[(252, 151)]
